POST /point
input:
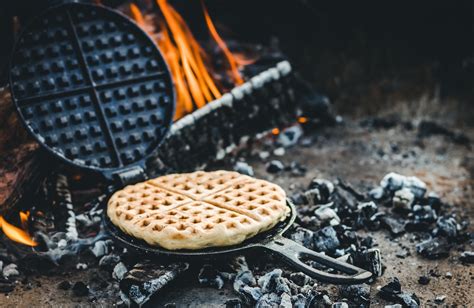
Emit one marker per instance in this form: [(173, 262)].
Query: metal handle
[(292, 253)]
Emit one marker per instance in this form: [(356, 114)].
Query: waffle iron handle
[(292, 253)]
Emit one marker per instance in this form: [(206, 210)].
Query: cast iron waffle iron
[(94, 90)]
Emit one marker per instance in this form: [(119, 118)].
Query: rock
[(243, 168), (119, 271), (403, 199), (467, 257), (289, 136), (434, 248), (11, 270), (80, 289), (275, 166), (448, 275), (325, 240), (209, 276), (424, 280)]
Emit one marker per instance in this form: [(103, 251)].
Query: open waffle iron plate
[(94, 90)]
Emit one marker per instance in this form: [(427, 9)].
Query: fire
[(16, 234), (187, 61), (230, 57)]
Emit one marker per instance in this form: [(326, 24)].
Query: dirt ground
[(360, 156)]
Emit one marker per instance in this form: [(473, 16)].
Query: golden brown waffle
[(198, 210)]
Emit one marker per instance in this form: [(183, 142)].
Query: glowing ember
[(275, 131), (302, 120), (16, 234)]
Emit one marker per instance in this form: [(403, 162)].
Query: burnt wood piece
[(266, 101), (21, 167)]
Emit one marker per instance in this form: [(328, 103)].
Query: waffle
[(197, 210)]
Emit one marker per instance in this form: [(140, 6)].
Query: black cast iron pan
[(271, 241)]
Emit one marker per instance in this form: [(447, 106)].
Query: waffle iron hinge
[(131, 175)]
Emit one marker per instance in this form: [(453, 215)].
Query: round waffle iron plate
[(92, 87)]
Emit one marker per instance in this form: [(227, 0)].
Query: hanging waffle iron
[(95, 91)]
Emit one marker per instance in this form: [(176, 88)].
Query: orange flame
[(186, 59), (230, 57), (16, 234)]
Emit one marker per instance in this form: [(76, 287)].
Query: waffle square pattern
[(198, 210)]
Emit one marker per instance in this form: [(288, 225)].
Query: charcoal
[(299, 301), (467, 257), (243, 168), (275, 166), (395, 226), (391, 288), (376, 193), (64, 285), (285, 301), (424, 280), (367, 242), (370, 260), (263, 155), (440, 299), (402, 253), (423, 215), (6, 286), (109, 261), (393, 306), (300, 278), (211, 277), (446, 226), (245, 281), (279, 151), (119, 271), (170, 305), (269, 300), (289, 136), (273, 282), (340, 305), (408, 300), (81, 266), (298, 199), (434, 201), (303, 236), (325, 240), (403, 199), (11, 270), (297, 169), (319, 191), (434, 248), (393, 182), (145, 279), (448, 275), (358, 294), (233, 303), (100, 249), (80, 289), (326, 214)]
